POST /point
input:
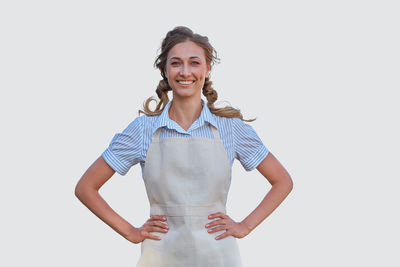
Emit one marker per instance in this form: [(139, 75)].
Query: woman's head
[(186, 69), (183, 37), (179, 35)]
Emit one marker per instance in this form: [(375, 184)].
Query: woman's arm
[(281, 183), (87, 189)]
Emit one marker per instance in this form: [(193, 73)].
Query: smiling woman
[(186, 149), (186, 70), (185, 55)]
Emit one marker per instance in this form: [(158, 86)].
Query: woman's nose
[(184, 70)]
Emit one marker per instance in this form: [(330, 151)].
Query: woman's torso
[(238, 138)]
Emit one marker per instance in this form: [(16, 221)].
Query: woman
[(186, 149)]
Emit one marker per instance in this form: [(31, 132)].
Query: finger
[(227, 233), (158, 224), (158, 217), (218, 214), (154, 237), (216, 222), (215, 214), (217, 229), (155, 229)]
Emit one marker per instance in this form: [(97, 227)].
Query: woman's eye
[(176, 63)]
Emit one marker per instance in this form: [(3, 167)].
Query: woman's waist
[(186, 210)]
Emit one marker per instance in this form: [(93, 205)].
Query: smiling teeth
[(185, 82)]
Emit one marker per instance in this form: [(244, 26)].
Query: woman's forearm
[(91, 198), (271, 201)]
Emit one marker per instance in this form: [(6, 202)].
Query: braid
[(209, 93), (162, 90), (212, 96), (162, 93)]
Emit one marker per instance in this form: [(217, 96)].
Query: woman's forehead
[(186, 50)]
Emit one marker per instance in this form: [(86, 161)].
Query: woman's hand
[(238, 230), (153, 224)]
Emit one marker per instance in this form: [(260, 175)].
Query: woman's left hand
[(238, 230)]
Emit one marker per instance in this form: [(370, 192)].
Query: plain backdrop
[(320, 77)]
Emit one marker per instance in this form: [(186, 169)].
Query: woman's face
[(186, 69)]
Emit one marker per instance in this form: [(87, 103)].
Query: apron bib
[(186, 180)]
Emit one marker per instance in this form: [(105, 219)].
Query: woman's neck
[(185, 111)]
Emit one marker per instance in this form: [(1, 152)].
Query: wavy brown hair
[(178, 35)]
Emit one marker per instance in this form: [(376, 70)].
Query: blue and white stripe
[(130, 146)]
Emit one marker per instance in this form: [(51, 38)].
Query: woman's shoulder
[(148, 121), (142, 125), (234, 125), (138, 124), (143, 120), (232, 122), (222, 120), (241, 128)]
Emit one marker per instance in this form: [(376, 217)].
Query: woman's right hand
[(154, 224)]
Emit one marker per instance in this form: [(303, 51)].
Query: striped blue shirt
[(130, 146)]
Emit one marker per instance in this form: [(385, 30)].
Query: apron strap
[(156, 135), (215, 132)]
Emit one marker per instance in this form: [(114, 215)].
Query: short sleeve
[(249, 149), (125, 149)]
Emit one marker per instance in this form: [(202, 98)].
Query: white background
[(320, 76)]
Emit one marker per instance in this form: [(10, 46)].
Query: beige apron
[(186, 180)]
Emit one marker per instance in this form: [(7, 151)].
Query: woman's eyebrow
[(180, 58)]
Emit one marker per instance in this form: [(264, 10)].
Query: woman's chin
[(185, 92)]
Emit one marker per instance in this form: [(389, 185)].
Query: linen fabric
[(186, 180)]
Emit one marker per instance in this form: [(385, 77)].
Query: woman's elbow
[(289, 183), (285, 182), (79, 188)]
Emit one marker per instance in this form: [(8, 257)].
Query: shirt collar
[(164, 120)]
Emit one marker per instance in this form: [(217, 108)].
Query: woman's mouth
[(185, 82)]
